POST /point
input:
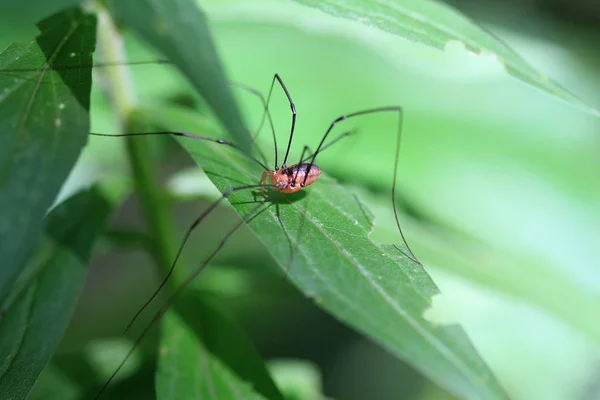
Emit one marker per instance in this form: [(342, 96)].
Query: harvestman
[(284, 179)]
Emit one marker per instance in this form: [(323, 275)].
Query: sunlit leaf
[(321, 237), (298, 379), (435, 24)]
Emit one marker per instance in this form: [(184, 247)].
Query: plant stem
[(153, 202)]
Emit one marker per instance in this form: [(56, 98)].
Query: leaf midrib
[(449, 354), (386, 297)]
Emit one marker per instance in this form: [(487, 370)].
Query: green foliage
[(38, 310), (180, 31), (44, 123), (498, 190), (435, 24), (205, 355), (321, 238)]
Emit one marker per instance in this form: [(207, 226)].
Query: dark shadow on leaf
[(53, 44)]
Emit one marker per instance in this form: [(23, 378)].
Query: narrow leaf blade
[(204, 355), (180, 31), (434, 24)]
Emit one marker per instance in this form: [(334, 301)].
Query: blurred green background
[(504, 177)]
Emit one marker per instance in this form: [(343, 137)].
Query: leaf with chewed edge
[(321, 236), (435, 24)]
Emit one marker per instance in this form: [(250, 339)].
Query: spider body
[(293, 178)]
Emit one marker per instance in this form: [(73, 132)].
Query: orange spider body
[(293, 178)]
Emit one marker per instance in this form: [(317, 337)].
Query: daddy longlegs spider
[(282, 178)]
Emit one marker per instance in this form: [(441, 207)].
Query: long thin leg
[(302, 158), (304, 150), (265, 114), (189, 135), (400, 112), (176, 294), (77, 67), (297, 240), (184, 241), (328, 145), (86, 66), (291, 244), (289, 237), (293, 108)]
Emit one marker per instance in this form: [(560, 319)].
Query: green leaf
[(179, 29), (38, 311), (298, 379), (192, 183), (44, 124), (320, 236), (435, 24), (204, 355), (30, 11)]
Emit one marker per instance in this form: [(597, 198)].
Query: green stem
[(153, 202)]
